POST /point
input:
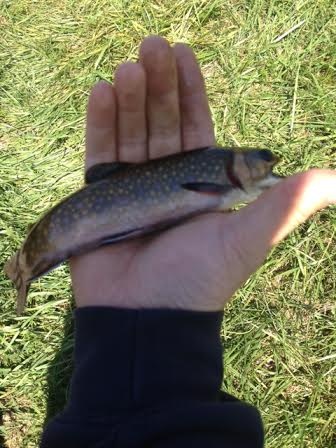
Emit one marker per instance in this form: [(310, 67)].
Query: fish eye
[(266, 155)]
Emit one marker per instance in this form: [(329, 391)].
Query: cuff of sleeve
[(129, 359)]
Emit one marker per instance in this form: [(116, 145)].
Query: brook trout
[(123, 201)]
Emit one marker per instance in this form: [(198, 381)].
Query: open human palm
[(157, 107)]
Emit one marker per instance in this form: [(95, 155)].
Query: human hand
[(157, 107)]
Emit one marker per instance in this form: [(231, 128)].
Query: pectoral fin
[(101, 170), (207, 187)]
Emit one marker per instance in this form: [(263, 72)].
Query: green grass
[(280, 339)]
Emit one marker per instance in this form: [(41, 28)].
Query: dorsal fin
[(30, 226), (101, 170)]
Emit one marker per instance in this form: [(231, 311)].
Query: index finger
[(196, 124)]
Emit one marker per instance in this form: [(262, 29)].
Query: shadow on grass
[(60, 370)]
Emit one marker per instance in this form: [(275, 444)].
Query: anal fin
[(128, 234)]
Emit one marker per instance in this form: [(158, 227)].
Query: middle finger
[(163, 115)]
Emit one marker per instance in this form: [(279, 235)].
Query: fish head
[(253, 169), (260, 163)]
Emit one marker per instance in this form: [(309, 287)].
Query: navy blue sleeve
[(150, 378)]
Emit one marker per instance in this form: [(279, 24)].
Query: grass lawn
[(265, 89)]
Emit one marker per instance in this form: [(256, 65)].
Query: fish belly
[(119, 224)]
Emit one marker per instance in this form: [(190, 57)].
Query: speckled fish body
[(132, 200)]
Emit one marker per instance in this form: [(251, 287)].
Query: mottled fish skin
[(138, 199)]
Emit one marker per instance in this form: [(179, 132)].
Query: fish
[(121, 201)]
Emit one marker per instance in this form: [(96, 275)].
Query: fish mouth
[(270, 180)]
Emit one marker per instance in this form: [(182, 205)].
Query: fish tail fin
[(13, 271)]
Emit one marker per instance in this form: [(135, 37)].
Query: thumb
[(281, 209)]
